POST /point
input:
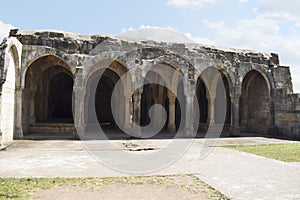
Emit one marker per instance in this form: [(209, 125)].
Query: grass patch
[(25, 188), (283, 152)]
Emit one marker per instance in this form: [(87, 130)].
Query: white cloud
[(260, 33), (159, 34), (280, 10), (190, 3), (200, 40), (4, 30), (243, 1)]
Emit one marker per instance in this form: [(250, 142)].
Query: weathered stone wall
[(287, 113), (8, 101), (270, 105), (10, 51)]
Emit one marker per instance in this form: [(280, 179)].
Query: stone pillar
[(32, 107), (126, 111), (157, 115), (189, 115), (235, 116), (18, 113), (79, 110), (172, 112), (189, 93), (117, 108), (211, 109), (137, 96)]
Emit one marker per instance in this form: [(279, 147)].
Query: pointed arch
[(213, 94), (164, 86), (47, 94), (101, 107), (255, 102)]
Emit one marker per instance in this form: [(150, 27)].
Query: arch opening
[(100, 103), (60, 99), (47, 98), (222, 93), (255, 100), (107, 104), (213, 95), (201, 94), (163, 86)]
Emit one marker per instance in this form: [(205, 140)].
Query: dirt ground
[(183, 188)]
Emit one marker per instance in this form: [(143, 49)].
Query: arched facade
[(114, 83)]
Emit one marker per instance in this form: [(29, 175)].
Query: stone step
[(224, 127), (52, 128)]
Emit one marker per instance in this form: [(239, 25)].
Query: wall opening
[(254, 103), (60, 99), (99, 97), (158, 93), (213, 95), (47, 96), (201, 94)]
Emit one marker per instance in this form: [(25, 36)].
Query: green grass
[(25, 188), (284, 152)]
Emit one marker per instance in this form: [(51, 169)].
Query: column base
[(18, 134), (234, 132), (172, 129), (79, 132), (189, 132)]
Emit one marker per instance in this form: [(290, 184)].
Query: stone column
[(32, 106), (172, 112), (157, 115), (189, 93), (79, 111), (117, 108), (18, 113), (235, 116), (211, 109), (137, 97), (189, 115), (126, 111)]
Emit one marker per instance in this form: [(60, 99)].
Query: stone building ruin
[(44, 73)]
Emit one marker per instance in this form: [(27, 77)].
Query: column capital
[(78, 89), (171, 95), (236, 91), (172, 98), (138, 91), (235, 99), (189, 87), (19, 88), (210, 97)]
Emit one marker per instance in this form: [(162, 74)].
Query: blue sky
[(112, 16), (263, 25)]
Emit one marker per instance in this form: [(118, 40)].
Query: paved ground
[(236, 174)]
